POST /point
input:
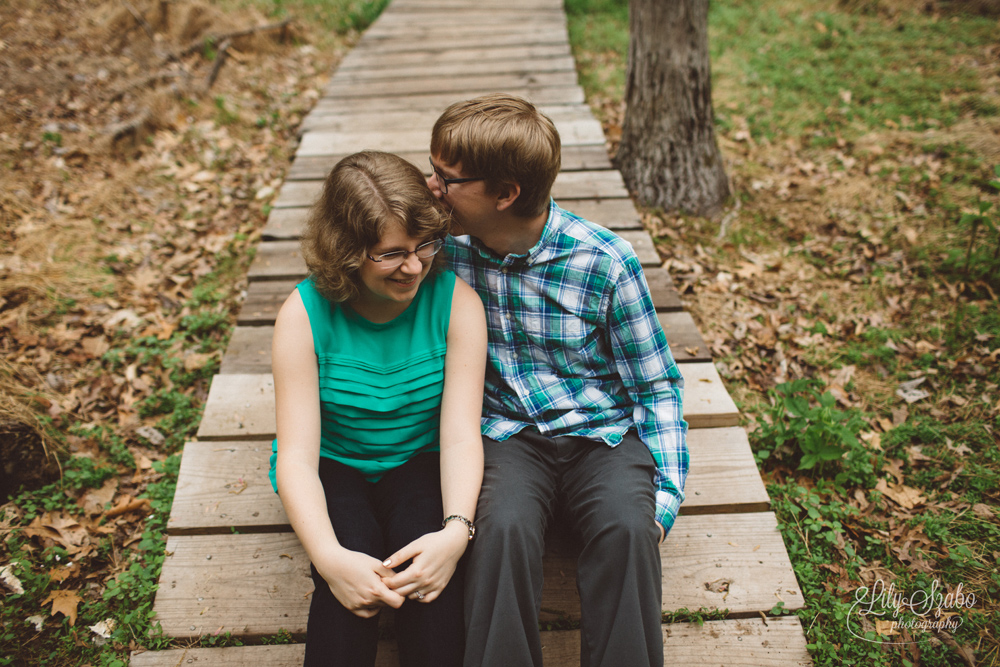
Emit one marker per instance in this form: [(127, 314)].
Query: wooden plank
[(378, 70), (685, 340), (249, 585), (375, 119), (241, 406), (433, 99), (413, 139), (390, 140), (456, 85), (362, 59), (605, 184), (285, 224), (568, 186), (574, 158), (661, 288), (257, 584), (282, 260), (511, 18), (284, 655), (249, 351), (736, 562), (780, 642), (224, 485), (277, 260), (723, 475), (386, 43), (612, 213), (540, 33), (642, 244), (298, 194), (264, 299), (706, 402)]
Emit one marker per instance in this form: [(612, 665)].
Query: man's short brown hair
[(503, 139), (362, 194)]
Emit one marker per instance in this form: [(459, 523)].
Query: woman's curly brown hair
[(365, 192)]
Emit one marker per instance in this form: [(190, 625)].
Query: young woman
[(378, 362)]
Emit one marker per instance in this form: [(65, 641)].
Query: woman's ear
[(507, 195)]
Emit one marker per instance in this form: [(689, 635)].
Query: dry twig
[(220, 59), (229, 36)]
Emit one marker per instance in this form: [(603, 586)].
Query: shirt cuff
[(667, 506)]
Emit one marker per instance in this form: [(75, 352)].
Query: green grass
[(783, 65), (782, 71)]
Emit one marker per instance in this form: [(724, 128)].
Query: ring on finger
[(420, 596)]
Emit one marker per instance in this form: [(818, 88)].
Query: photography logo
[(889, 611)]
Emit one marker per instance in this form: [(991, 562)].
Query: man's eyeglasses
[(445, 182), (390, 260)]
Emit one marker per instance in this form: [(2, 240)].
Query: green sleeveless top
[(379, 384)]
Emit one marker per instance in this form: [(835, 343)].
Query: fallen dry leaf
[(65, 603), (10, 580), (982, 511), (904, 496), (93, 501)]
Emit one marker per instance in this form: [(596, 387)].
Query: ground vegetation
[(849, 297)]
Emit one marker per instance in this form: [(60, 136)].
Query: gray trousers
[(607, 497)]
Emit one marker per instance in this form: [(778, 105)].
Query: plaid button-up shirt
[(575, 347)]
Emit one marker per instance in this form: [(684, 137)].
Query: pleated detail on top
[(380, 384)]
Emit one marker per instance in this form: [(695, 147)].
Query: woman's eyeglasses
[(390, 260)]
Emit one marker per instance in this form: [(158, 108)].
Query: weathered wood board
[(574, 158), (606, 184), (752, 642), (282, 260), (264, 298), (405, 138), (706, 401), (430, 56), (257, 584), (397, 69), (686, 343), (455, 85), (374, 120), (432, 99), (241, 407), (249, 351), (661, 289), (224, 485)]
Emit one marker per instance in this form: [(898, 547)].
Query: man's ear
[(508, 194)]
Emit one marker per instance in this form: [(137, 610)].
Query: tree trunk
[(668, 155)]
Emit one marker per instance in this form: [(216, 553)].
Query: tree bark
[(668, 154)]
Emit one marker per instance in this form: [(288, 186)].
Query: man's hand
[(356, 580), (435, 556), (663, 533)]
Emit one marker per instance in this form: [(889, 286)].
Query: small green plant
[(54, 138), (224, 115), (805, 426), (985, 263)]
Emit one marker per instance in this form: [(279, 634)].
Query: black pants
[(608, 500), (378, 519)]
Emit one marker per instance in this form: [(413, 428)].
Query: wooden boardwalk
[(234, 566)]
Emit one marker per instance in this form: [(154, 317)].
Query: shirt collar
[(549, 232)]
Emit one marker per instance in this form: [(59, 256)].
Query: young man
[(582, 409)]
